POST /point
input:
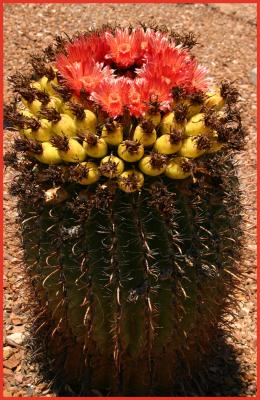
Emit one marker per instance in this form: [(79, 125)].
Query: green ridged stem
[(133, 291)]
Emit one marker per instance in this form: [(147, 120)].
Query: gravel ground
[(227, 46)]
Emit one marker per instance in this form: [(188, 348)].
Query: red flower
[(198, 80), (166, 62), (138, 97), (159, 91), (84, 74), (82, 67), (144, 91), (126, 48), (92, 46), (150, 63), (158, 43), (111, 94), (142, 38)]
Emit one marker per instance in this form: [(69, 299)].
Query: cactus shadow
[(219, 375)]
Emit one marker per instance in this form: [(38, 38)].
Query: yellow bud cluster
[(156, 145)]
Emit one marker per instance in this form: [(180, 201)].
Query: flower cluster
[(130, 68)]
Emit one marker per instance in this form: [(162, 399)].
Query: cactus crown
[(123, 77)]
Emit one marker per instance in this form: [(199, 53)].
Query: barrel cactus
[(129, 206)]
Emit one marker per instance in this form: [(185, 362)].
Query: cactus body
[(141, 281), (130, 210)]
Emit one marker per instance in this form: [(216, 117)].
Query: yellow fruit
[(66, 109), (145, 138), (196, 126), (90, 173), (28, 114), (34, 106), (65, 126), (111, 166), (55, 80), (168, 143), (194, 146), (85, 119), (27, 133), (194, 102), (178, 168), (131, 181), (169, 123), (130, 150), (46, 85), (114, 136), (55, 102), (74, 153), (94, 146), (88, 122), (153, 165), (154, 118), (49, 155), (44, 133), (36, 85), (214, 100), (193, 110)]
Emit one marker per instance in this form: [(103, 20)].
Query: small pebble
[(253, 76), (7, 352), (15, 339)]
